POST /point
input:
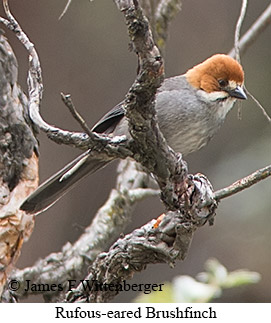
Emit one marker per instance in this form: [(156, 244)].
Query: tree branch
[(238, 30), (146, 245), (66, 98), (73, 261), (18, 160), (241, 45), (243, 183), (254, 31), (65, 9)]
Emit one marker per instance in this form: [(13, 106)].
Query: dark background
[(86, 54)]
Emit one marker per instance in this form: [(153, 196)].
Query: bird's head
[(220, 77)]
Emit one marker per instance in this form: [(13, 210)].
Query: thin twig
[(66, 98), (65, 9), (241, 45), (259, 105), (254, 31), (243, 183), (238, 29)]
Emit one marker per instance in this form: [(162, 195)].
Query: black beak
[(238, 93)]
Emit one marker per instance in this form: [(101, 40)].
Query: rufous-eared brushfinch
[(190, 109)]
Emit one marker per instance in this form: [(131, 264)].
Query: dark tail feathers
[(59, 184)]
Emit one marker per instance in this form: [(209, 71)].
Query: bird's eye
[(223, 83)]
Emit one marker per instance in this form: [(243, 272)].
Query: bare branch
[(243, 183), (73, 261), (150, 147), (66, 98), (238, 29), (65, 9), (146, 245), (164, 243), (18, 160), (259, 105), (254, 31)]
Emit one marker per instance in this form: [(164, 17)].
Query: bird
[(190, 109)]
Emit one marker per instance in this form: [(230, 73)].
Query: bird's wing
[(109, 121)]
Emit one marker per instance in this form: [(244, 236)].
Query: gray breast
[(184, 116)]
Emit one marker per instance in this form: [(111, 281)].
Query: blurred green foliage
[(207, 285)]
